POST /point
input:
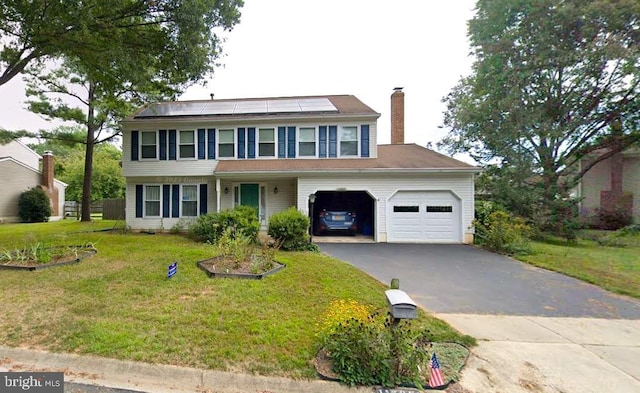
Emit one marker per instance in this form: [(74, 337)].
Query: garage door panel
[(425, 216)]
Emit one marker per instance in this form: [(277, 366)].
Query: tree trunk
[(88, 160)]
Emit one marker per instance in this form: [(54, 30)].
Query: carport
[(360, 202)]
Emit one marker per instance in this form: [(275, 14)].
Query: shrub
[(368, 349), (613, 219), (240, 220), (34, 206), (236, 246), (291, 229), (500, 232)]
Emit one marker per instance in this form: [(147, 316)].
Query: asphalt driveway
[(467, 280)]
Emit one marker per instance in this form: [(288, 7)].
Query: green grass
[(120, 304), (593, 259)]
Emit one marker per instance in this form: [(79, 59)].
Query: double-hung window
[(148, 145), (307, 143), (152, 201), (349, 141), (187, 144), (189, 201), (266, 142), (226, 144)]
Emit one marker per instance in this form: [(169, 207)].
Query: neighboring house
[(19, 172), (182, 159), (615, 177)]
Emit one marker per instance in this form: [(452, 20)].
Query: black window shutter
[(211, 140), (203, 199), (134, 145), (364, 142), (241, 135), (291, 142), (162, 134), (139, 200), (282, 142), (175, 200), (251, 142), (333, 141), (172, 144), (322, 136), (201, 144)]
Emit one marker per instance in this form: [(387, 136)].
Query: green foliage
[(242, 220), (368, 349), (107, 178), (553, 82), (559, 217), (235, 246), (291, 228), (500, 232), (34, 206), (163, 41)]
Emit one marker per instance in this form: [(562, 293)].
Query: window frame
[(299, 141), (142, 145), (146, 201), (233, 144), (181, 144), (274, 142), (341, 140), (182, 200)]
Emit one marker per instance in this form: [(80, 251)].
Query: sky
[(315, 47)]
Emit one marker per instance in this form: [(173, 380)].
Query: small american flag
[(435, 374)]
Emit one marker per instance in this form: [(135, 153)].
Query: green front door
[(249, 195)]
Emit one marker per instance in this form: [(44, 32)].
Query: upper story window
[(187, 144), (266, 142), (152, 201), (226, 143), (189, 200), (307, 142), (348, 141), (148, 145)]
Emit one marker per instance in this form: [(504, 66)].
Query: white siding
[(169, 168), (284, 199), (373, 140), (14, 180), (164, 223), (20, 152), (383, 187)]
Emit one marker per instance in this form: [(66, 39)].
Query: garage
[(358, 202), (424, 217)]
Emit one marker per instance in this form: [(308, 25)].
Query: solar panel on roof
[(235, 107)]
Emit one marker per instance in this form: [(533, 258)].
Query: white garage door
[(424, 216)]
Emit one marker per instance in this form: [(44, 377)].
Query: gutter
[(352, 171)]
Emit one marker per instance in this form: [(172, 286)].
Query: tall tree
[(552, 81), (176, 34), (118, 54)]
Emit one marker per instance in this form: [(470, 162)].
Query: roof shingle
[(392, 157)]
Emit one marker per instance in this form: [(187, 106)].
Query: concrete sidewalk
[(540, 354), (152, 378)]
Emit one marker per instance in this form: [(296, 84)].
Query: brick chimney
[(47, 182), (397, 116)]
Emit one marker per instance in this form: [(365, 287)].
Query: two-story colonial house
[(186, 158)]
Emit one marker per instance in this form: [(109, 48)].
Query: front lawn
[(605, 259), (120, 304)]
